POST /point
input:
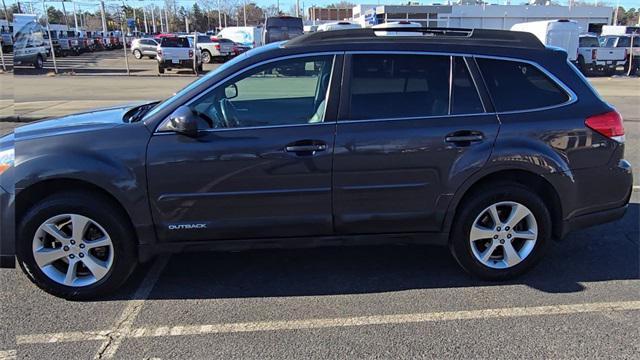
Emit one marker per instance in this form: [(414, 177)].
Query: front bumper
[(7, 230)]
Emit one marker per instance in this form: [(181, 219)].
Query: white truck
[(178, 53), (592, 57), (557, 33), (631, 45), (214, 50)]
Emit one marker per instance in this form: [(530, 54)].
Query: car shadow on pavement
[(606, 252)]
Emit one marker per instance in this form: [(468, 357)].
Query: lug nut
[(501, 241), (66, 248), (81, 246), (509, 236), (495, 236), (506, 228), (81, 255), (498, 228), (73, 242), (72, 256)]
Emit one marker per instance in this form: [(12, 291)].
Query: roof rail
[(493, 37)]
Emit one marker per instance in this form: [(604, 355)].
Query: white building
[(589, 18)]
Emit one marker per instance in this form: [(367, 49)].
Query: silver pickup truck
[(624, 42), (592, 57)]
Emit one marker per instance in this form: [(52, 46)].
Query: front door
[(411, 128), (261, 167)]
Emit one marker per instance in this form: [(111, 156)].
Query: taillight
[(159, 52), (190, 54), (594, 54), (217, 46), (608, 124)]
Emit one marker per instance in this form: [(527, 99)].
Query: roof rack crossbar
[(499, 37)]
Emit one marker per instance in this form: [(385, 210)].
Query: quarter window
[(287, 92), (398, 86), (519, 86)]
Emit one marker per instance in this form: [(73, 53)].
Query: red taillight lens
[(159, 52), (217, 46), (594, 54), (608, 124)]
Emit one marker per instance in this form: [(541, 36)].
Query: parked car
[(31, 45), (624, 41), (6, 35), (594, 58), (177, 53), (559, 33), (214, 49), (144, 47), (417, 139)]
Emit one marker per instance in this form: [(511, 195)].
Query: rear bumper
[(168, 64), (597, 218), (7, 230)]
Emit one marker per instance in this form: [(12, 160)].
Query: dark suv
[(485, 141)]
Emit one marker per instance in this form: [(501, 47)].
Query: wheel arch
[(538, 183), (29, 196)]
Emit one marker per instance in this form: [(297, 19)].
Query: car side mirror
[(231, 91), (183, 121)]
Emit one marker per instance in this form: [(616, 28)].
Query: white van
[(340, 25), (250, 36), (563, 34)]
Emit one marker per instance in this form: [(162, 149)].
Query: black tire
[(39, 63), (98, 208), (206, 57), (199, 68), (473, 206), (160, 69), (137, 54), (582, 66)]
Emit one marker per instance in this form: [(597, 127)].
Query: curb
[(21, 118)]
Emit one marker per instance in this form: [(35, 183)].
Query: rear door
[(411, 128)]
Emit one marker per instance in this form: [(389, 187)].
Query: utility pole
[(135, 20), (53, 53), (161, 21), (64, 11), (104, 19), (219, 16), (75, 16), (166, 18), (244, 7), (153, 21), (297, 8), (146, 26)]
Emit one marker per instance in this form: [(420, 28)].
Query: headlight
[(7, 157)]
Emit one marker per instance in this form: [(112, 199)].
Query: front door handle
[(306, 147), (464, 138)]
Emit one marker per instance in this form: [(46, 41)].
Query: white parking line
[(184, 330), (8, 354), (124, 324)]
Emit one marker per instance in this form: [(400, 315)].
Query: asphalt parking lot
[(582, 300)]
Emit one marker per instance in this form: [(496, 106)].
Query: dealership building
[(589, 18)]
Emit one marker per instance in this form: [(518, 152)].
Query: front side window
[(519, 86), (399, 86), (286, 92)]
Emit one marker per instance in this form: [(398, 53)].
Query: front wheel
[(137, 54), (76, 245), (39, 63), (500, 231), (206, 57), (160, 69)]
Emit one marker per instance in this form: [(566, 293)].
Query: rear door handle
[(464, 138)]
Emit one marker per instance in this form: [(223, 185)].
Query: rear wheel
[(160, 69), (501, 231), (76, 245), (39, 63), (206, 57), (137, 54)]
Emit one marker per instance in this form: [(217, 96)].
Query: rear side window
[(519, 86), (464, 96), (399, 86)]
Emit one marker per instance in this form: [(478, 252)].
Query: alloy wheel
[(73, 250), (503, 235)]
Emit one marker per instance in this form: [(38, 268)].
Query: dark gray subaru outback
[(485, 141)]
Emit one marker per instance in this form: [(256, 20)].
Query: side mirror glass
[(183, 121), (231, 91)]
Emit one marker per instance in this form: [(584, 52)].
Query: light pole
[(244, 8), (53, 53)]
